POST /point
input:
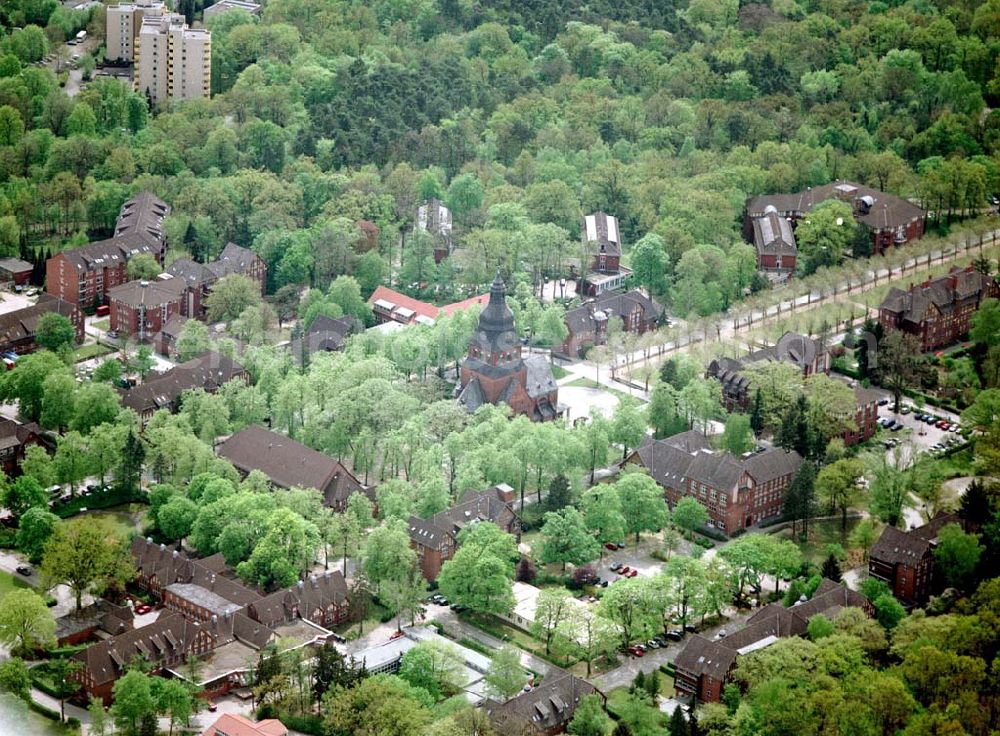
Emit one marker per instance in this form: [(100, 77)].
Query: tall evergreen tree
[(678, 725), (831, 568), (800, 499), (794, 433), (757, 413)]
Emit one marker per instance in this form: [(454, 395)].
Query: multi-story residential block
[(602, 240), (774, 242), (905, 560), (434, 219), (704, 666), (938, 312), (83, 276), (588, 323), (436, 539), (141, 308), (888, 219), (172, 61), (19, 328), (738, 492), (123, 23), (143, 215)]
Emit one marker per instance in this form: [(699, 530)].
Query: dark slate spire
[(496, 332)]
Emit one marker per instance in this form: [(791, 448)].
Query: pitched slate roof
[(194, 274), (895, 546), (485, 505), (149, 294), (108, 253), (23, 323), (877, 210), (102, 614), (170, 566), (233, 259), (143, 215), (209, 371), (773, 236), (714, 657), (586, 317), (15, 434), (306, 596), (289, 463), (942, 294), (601, 229), (549, 706), (673, 461)]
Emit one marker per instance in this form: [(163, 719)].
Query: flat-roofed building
[(173, 61), (122, 29), (223, 5)]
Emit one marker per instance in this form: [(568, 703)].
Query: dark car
[(897, 428), (691, 628), (615, 567), (883, 402), (674, 635), (621, 545), (611, 546), (23, 570)]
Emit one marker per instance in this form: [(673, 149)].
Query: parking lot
[(916, 436)]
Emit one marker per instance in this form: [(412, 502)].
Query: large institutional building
[(495, 372)]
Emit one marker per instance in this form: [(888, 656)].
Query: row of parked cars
[(59, 497), (658, 642), (623, 570), (439, 600)]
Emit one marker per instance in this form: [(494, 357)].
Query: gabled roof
[(610, 304), (191, 272), (486, 505), (233, 259), (773, 236), (289, 463), (547, 707), (940, 295), (23, 323), (895, 546), (209, 371), (602, 230), (539, 380), (143, 216), (233, 724), (109, 253), (878, 210), (306, 596), (149, 294)]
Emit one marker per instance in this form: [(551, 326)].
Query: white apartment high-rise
[(123, 26), (172, 61)]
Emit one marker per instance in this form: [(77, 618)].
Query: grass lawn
[(91, 350), (958, 465), (585, 383), (559, 372), (102, 324), (9, 583), (821, 534)]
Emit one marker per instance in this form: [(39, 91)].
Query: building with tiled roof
[(587, 325), (235, 259), (704, 666), (602, 239), (435, 539), (389, 305), (546, 709), (325, 334), (939, 311), (233, 724), (19, 327), (140, 309), (774, 242), (904, 560), (143, 215), (207, 613), (209, 372), (889, 220), (494, 371), (290, 464), (738, 492)]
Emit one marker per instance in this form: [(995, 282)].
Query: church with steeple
[(495, 372)]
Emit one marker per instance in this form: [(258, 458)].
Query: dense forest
[(521, 116)]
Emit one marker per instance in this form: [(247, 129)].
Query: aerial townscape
[(499, 368)]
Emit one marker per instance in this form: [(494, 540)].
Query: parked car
[(674, 635), (896, 428), (905, 410), (636, 651), (395, 635), (883, 402), (631, 573), (653, 644), (611, 546), (624, 570), (691, 628), (616, 567), (24, 570)]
